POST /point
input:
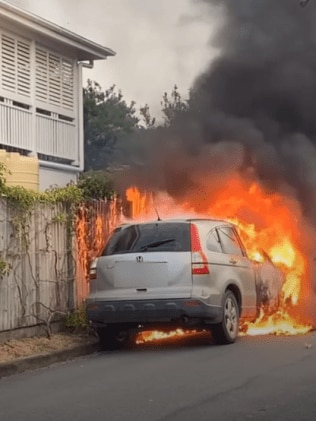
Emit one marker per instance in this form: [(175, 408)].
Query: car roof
[(209, 221)]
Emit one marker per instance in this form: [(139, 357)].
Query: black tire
[(226, 332), (112, 338)]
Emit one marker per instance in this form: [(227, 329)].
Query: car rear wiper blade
[(156, 244)]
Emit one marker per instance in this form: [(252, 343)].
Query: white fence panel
[(40, 277), (48, 261)]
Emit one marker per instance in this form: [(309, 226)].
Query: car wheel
[(112, 338), (226, 332)]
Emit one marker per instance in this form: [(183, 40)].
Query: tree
[(149, 121), (107, 117), (116, 136), (96, 185), (173, 106)]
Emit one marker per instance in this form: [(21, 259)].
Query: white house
[(41, 108)]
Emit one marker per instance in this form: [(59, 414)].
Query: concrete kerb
[(20, 365)]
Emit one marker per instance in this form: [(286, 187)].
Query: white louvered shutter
[(24, 68), (67, 84), (54, 80), (15, 65), (41, 75)]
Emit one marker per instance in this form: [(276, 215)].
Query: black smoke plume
[(252, 112)]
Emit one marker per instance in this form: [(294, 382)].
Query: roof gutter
[(57, 166), (89, 65)]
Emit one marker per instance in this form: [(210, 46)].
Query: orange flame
[(279, 323), (270, 224), (149, 336), (94, 223)]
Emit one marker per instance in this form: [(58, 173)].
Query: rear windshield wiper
[(156, 244)]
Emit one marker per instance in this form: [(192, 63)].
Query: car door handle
[(233, 260)]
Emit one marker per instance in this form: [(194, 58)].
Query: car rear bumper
[(151, 311)]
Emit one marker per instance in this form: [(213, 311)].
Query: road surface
[(258, 378)]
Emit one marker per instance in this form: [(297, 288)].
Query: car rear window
[(144, 238)]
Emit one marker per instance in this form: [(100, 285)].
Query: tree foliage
[(96, 185), (107, 117), (173, 105), (148, 120), (117, 134)]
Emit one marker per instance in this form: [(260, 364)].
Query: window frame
[(236, 236), (217, 239)]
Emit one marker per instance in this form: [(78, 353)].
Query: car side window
[(229, 241), (213, 242)]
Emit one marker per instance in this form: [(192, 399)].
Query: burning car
[(192, 273)]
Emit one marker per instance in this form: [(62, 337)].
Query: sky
[(158, 43)]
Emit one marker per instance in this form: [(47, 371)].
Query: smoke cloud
[(252, 112)]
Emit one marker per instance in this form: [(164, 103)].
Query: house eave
[(85, 49)]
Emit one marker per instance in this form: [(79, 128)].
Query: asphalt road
[(266, 378)]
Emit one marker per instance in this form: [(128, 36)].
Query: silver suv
[(193, 273)]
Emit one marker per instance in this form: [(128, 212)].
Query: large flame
[(270, 225)]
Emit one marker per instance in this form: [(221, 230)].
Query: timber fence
[(44, 259)]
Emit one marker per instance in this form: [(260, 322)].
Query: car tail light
[(92, 274), (93, 270), (199, 260)]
